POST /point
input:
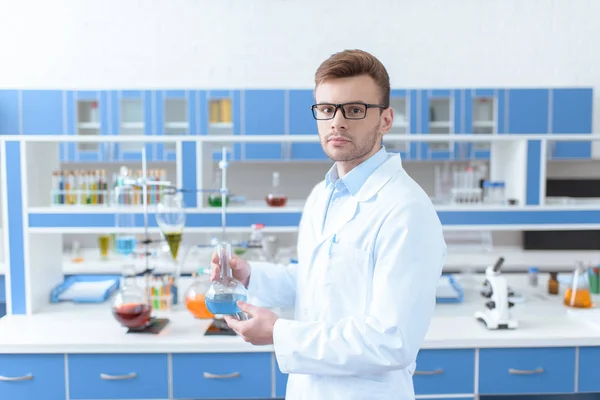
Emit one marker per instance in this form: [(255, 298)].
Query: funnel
[(170, 217)]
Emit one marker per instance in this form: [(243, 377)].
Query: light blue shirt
[(340, 189)]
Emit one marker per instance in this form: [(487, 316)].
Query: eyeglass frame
[(340, 106)]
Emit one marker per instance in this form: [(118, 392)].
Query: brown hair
[(349, 63)]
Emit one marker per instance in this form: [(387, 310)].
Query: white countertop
[(71, 328)]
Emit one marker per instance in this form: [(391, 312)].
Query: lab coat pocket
[(347, 279)]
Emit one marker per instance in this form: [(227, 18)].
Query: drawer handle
[(208, 375), (525, 371), (16, 378), (434, 372), (107, 377)]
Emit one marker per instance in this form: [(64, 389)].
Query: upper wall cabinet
[(176, 113), (221, 115), (132, 115), (484, 113), (265, 113), (571, 111), (440, 115), (528, 111), (9, 112)]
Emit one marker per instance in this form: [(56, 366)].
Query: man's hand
[(240, 269), (258, 330)]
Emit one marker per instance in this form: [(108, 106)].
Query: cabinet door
[(132, 115), (222, 376), (571, 113), (42, 112), (9, 112), (302, 122), (118, 376), (280, 381), (401, 104), (87, 114), (445, 372), (221, 115), (483, 114), (523, 370), (440, 115), (587, 370), (175, 115), (264, 114), (32, 376), (528, 110)]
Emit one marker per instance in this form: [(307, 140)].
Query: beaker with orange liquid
[(194, 296), (578, 294)]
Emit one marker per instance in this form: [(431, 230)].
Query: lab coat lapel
[(344, 215)]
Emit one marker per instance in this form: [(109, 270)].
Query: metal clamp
[(16, 378), (434, 372), (208, 375), (513, 371), (107, 377)]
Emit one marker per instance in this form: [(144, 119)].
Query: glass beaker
[(195, 296), (275, 198), (578, 294), (131, 306), (104, 244), (223, 294)]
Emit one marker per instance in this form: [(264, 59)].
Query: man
[(370, 251)]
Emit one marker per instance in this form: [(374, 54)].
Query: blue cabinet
[(528, 110), (571, 113), (588, 370), (32, 376), (176, 113), (303, 123), (264, 114), (132, 115), (527, 370), (440, 111), (87, 114), (280, 381), (118, 376), (222, 375), (221, 113), (9, 112), (483, 113), (42, 112), (445, 372)]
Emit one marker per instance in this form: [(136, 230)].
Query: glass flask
[(170, 217), (215, 199), (131, 306), (578, 294), (223, 294), (275, 198), (195, 296)]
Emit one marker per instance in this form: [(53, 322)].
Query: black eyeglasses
[(324, 111)]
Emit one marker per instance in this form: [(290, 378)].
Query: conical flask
[(223, 294), (578, 294), (170, 217)]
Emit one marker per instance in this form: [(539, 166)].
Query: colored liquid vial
[(275, 198)]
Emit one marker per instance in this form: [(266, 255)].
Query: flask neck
[(224, 251)]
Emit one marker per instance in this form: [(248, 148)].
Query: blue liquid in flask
[(125, 244), (225, 303)]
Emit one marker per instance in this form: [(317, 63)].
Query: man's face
[(352, 140)]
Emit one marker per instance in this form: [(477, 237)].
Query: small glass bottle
[(533, 276), (553, 283), (275, 198), (223, 294)]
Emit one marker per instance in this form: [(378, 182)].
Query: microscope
[(497, 313)]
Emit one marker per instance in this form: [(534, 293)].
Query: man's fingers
[(247, 308)]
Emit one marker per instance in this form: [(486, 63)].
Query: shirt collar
[(354, 179)]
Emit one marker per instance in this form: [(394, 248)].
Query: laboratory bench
[(77, 351)]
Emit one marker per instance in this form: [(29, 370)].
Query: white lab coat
[(363, 291)]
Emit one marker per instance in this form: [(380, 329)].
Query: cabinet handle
[(434, 372), (208, 375), (16, 378), (525, 371), (107, 377)]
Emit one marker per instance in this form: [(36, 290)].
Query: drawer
[(449, 371), (32, 376), (588, 370), (118, 376), (222, 375), (524, 371)]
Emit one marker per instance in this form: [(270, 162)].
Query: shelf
[(132, 125), (440, 124), (177, 125), (89, 125)]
